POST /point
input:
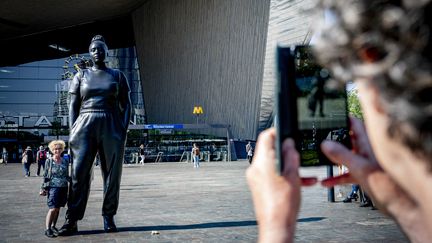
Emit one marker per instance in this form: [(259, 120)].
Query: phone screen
[(312, 104)]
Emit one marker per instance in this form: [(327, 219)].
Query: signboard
[(163, 126), (165, 131), (198, 110), (22, 121)]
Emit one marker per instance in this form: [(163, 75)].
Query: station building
[(215, 54)]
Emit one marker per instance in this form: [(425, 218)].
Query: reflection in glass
[(321, 105)]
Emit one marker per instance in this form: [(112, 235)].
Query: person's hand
[(385, 192), (42, 192), (276, 198)]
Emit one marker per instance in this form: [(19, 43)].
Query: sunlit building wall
[(289, 24), (203, 53)]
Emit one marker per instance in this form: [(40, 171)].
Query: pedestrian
[(5, 156), (27, 160), (353, 195), (99, 114), (249, 151), (97, 162), (385, 48), (213, 150), (316, 96), (48, 153), (55, 185), (41, 157), (142, 154), (195, 156)]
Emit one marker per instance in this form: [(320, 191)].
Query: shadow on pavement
[(310, 219), (176, 227), (192, 226)]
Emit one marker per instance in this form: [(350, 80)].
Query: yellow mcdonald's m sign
[(198, 110)]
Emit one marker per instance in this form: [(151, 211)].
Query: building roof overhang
[(33, 30)]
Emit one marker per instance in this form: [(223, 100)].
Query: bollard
[(330, 191)]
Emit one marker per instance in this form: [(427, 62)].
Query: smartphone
[(311, 106)]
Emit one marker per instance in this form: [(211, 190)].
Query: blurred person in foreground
[(385, 47)]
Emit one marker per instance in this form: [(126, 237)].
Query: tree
[(354, 107)]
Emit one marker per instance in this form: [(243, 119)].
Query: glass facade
[(34, 97)]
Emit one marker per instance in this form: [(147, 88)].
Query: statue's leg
[(111, 151), (83, 146)]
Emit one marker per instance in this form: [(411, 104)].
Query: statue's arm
[(75, 99), (124, 100)]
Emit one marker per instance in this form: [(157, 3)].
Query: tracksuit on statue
[(99, 128)]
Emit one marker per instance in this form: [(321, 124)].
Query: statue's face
[(98, 51)]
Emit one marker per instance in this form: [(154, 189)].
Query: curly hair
[(53, 143), (389, 43)]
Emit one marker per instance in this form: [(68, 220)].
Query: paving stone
[(183, 204)]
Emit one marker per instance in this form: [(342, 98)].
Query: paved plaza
[(173, 202)]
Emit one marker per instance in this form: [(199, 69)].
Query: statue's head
[(98, 49)]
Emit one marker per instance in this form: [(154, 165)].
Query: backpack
[(29, 157), (42, 155)]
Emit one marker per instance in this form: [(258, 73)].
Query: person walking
[(99, 114), (249, 152), (41, 157), (27, 160), (195, 156), (55, 185), (142, 154), (5, 156)]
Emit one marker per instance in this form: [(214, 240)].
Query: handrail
[(159, 157), (183, 154)]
